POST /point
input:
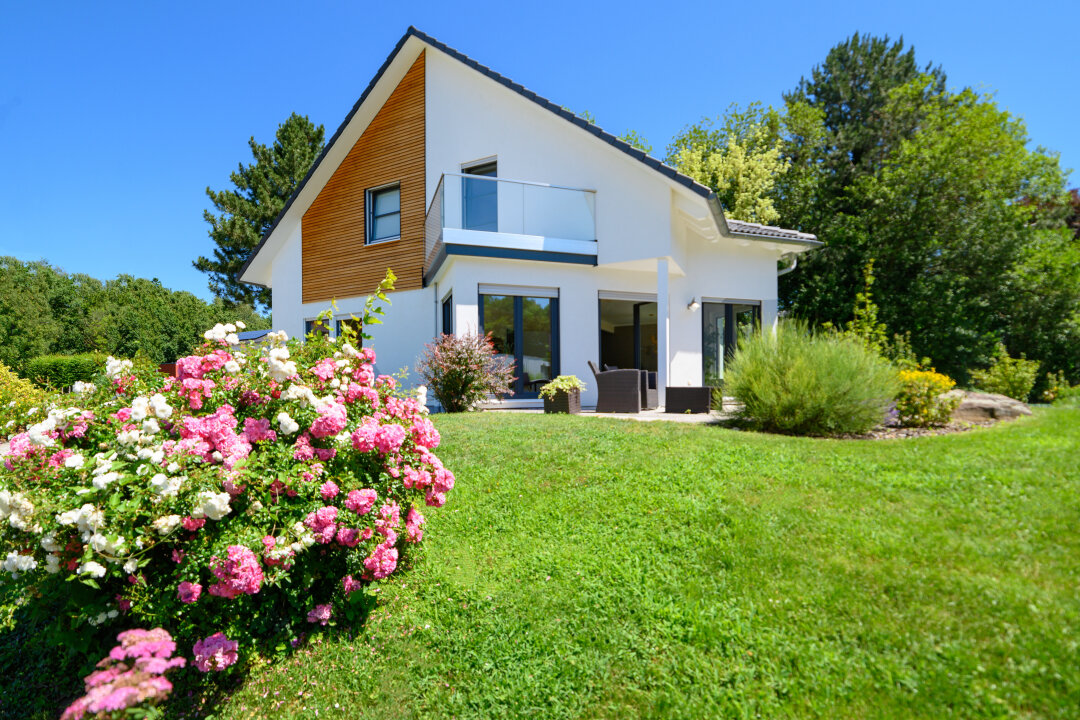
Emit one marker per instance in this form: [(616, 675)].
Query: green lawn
[(590, 568)]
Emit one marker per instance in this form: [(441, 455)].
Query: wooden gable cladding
[(336, 262)]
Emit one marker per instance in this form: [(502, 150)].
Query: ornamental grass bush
[(921, 401), (1009, 376), (803, 383), (258, 494), (464, 370), (20, 400)]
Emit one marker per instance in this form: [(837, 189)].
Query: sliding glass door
[(525, 330), (722, 324), (628, 334)]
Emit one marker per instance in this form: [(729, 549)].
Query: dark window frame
[(518, 385), (730, 341), (448, 315), (371, 193)]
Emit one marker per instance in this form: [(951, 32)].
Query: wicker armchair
[(650, 398), (617, 390)]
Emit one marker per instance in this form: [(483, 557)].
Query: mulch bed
[(893, 433)]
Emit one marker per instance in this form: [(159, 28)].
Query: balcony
[(494, 217)]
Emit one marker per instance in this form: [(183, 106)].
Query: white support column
[(663, 323)]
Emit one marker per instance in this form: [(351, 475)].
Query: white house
[(502, 212)]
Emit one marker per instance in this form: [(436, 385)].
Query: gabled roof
[(752, 230)]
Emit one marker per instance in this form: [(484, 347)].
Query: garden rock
[(977, 407)]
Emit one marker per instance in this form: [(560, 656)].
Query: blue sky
[(115, 117)]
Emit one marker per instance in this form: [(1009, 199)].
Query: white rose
[(92, 569), (286, 424)]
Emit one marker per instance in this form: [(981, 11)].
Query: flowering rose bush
[(133, 675), (253, 494)]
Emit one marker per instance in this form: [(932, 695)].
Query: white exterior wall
[(287, 285), (470, 117)]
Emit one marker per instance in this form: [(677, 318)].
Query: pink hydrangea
[(322, 523), (424, 433), (389, 518), (363, 437), (413, 532), (382, 561), (216, 652), (240, 574), (332, 419), (120, 685), (361, 501), (321, 614), (324, 369), (416, 478), (258, 430), (189, 592), (302, 449), (389, 438), (212, 434), (329, 490), (348, 537), (364, 374), (442, 483), (193, 524)]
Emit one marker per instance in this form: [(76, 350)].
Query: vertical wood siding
[(336, 262)]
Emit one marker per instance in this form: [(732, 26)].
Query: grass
[(590, 568), (603, 569)]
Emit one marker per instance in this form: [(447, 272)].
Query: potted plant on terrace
[(563, 395)]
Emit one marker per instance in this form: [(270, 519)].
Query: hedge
[(61, 371)]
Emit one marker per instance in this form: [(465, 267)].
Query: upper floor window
[(384, 213), (480, 197)]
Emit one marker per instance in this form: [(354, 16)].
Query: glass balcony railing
[(496, 205)]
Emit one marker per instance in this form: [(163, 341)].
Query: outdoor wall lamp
[(693, 305)]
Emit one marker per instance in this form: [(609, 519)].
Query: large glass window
[(480, 198), (722, 326), (384, 213), (524, 329), (628, 334)]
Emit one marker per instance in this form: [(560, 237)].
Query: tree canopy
[(973, 238), (260, 191), (44, 310)]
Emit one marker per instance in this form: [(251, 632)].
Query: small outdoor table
[(688, 399)]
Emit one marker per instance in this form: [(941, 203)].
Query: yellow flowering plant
[(921, 401)]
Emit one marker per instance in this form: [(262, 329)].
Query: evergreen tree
[(849, 91), (248, 210)]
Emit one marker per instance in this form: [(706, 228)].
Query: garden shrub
[(795, 381), (260, 491), (562, 384), (1013, 377), (1058, 388), (463, 370), (20, 400), (921, 401), (59, 372)]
